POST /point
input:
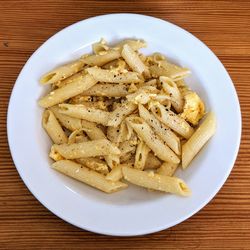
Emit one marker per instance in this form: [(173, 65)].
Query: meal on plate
[(118, 115)]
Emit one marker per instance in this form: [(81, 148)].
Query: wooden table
[(224, 223)]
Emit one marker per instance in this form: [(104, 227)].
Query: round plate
[(134, 211)]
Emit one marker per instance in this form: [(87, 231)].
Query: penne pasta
[(77, 136), (152, 162), (100, 60), (117, 116), (127, 147), (141, 155), (146, 134), (95, 133), (62, 72), (94, 163), (53, 128), (118, 113), (82, 112), (127, 158), (170, 70), (171, 88), (115, 174), (134, 44), (118, 65), (173, 121), (182, 86), (167, 169), (103, 75), (108, 89), (76, 77), (134, 61), (199, 138), (161, 130), (156, 181), (143, 95), (72, 89), (68, 122), (86, 149), (88, 176), (100, 47)]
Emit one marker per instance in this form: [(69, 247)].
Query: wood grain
[(224, 223)]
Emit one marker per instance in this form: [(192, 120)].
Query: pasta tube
[(153, 142), (161, 130), (94, 163), (133, 60), (156, 181), (88, 176), (68, 122), (103, 75), (175, 122), (62, 72), (199, 138), (167, 168), (53, 128), (82, 112), (141, 155), (86, 149), (67, 91)]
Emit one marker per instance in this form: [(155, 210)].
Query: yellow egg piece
[(194, 108)]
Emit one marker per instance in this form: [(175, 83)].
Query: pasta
[(69, 90), (141, 155), (107, 89), (156, 181), (161, 130), (175, 122), (53, 128), (100, 60), (62, 72), (167, 168), (66, 121), (153, 142), (86, 149), (103, 75), (118, 114), (152, 162), (171, 88), (133, 60), (94, 163), (88, 176), (198, 139), (115, 174), (82, 112)]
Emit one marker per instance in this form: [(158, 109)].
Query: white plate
[(134, 211)]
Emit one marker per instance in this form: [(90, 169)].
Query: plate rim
[(154, 229)]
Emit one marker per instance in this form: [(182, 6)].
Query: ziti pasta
[(117, 116)]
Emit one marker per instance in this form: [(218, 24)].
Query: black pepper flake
[(117, 130)]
